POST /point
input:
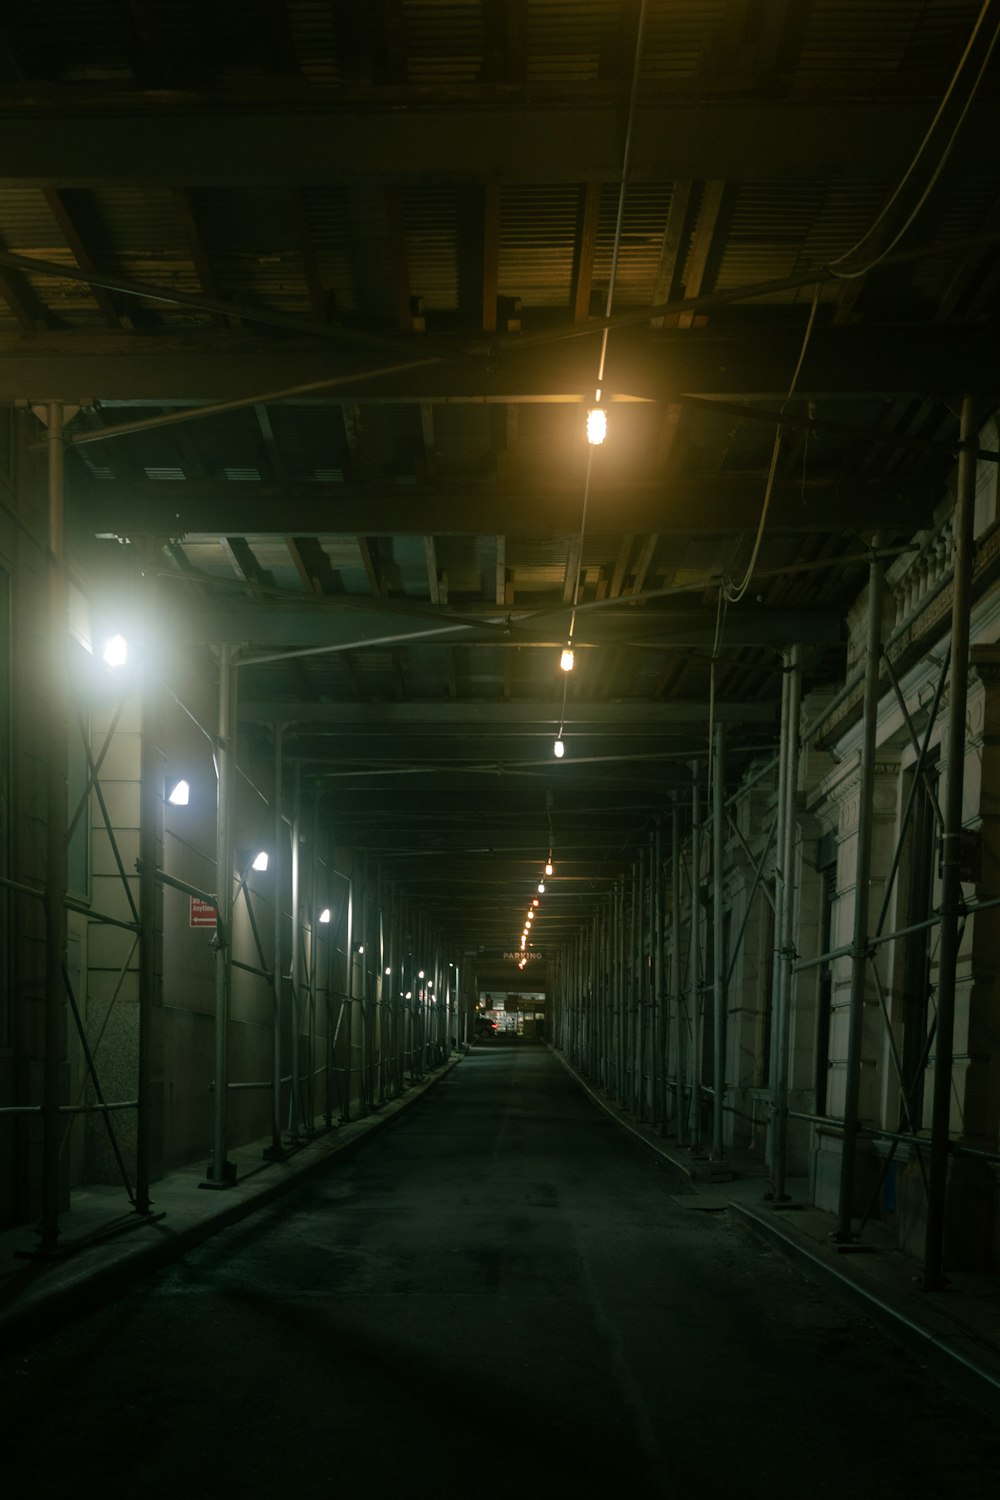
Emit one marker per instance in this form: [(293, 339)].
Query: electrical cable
[(602, 358), (734, 592), (915, 161)]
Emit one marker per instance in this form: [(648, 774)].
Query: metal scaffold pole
[(718, 953), (296, 964), (642, 988), (951, 854), (55, 851), (220, 1171), (659, 999), (150, 814), (313, 958), (695, 958), (276, 1149), (782, 1018), (675, 967), (781, 888), (859, 946), (348, 998)]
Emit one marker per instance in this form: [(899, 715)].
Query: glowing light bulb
[(559, 749), (260, 862), (324, 915), (566, 660), (541, 887), (181, 794), (597, 426), (534, 901), (548, 868)]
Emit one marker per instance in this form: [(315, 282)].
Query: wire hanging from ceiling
[(853, 274), (559, 747)]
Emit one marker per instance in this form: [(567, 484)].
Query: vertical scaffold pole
[(718, 953), (859, 946), (220, 1171), (659, 999), (348, 997), (150, 948), (313, 987), (779, 911), (276, 1149), (783, 1012), (951, 853), (296, 963), (621, 978), (675, 968), (694, 993), (643, 992), (55, 847)]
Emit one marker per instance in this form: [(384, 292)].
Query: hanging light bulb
[(548, 865), (534, 901), (559, 749), (541, 887), (597, 426), (567, 659)]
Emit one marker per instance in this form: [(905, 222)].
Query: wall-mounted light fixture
[(115, 651)]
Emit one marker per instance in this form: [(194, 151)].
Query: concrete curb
[(48, 1292), (979, 1383)]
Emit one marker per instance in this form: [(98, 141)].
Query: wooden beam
[(185, 211), (368, 547), (702, 261), (430, 556), (586, 250), (491, 252), (501, 583), (671, 251), (66, 216)]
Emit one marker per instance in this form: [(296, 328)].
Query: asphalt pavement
[(504, 1293)]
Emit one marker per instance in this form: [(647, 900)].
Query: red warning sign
[(202, 913)]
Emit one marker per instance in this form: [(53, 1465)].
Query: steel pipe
[(694, 1120), (782, 1019), (675, 967), (951, 853), (276, 1149), (718, 951), (220, 1171), (859, 956)]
